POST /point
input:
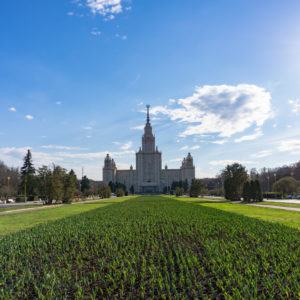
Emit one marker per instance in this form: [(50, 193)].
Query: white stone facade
[(149, 177)]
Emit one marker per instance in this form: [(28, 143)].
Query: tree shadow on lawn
[(205, 201)]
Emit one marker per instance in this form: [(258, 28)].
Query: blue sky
[(222, 78)]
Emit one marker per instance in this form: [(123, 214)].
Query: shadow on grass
[(204, 201), (100, 202)]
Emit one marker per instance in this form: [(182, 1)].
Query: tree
[(132, 190), (286, 185), (45, 184), (69, 186), (58, 175), (252, 191), (179, 191), (28, 175), (185, 186), (247, 191), (120, 192), (197, 187), (104, 191), (9, 181), (234, 177), (85, 185)]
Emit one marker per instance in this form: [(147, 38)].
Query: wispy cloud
[(122, 37), (58, 103), (292, 146), (95, 32), (127, 146), (88, 127), (62, 147), (295, 106), (258, 133), (220, 142), (139, 127), (190, 147), (29, 117), (12, 109), (223, 109), (226, 162), (262, 154)]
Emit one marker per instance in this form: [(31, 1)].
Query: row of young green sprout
[(151, 247)]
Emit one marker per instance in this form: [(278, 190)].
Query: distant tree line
[(47, 183)]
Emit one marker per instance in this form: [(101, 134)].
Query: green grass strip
[(279, 204), (18, 207), (15, 222), (288, 218)]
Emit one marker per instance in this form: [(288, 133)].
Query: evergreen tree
[(247, 191), (234, 176), (69, 186), (85, 185), (132, 190), (28, 175), (197, 187), (259, 193)]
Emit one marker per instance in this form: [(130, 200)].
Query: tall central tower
[(148, 139), (148, 161)]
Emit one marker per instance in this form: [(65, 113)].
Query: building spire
[(148, 118)]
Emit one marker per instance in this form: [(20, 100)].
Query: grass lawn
[(16, 222), (279, 204), (18, 207), (289, 218), (151, 247)]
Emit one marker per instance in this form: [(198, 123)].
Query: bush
[(120, 192), (252, 191)]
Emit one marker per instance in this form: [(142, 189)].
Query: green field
[(151, 247), (15, 222), (18, 207), (288, 218), (280, 204)]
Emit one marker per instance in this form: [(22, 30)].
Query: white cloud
[(94, 155), (105, 7), (88, 127), (70, 13), (220, 142), (12, 109), (111, 17), (116, 143), (122, 37), (295, 106), (262, 154), (190, 148), (222, 109), (62, 147), (229, 162), (292, 146), (14, 156), (172, 101), (139, 127), (58, 102), (258, 133), (96, 32), (126, 146), (29, 117)]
